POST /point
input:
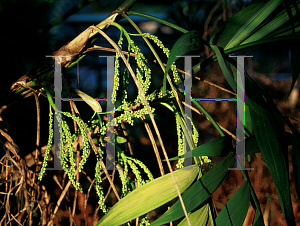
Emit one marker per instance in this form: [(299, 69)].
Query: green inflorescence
[(129, 110), (144, 222), (166, 51), (49, 145), (99, 188), (180, 138)]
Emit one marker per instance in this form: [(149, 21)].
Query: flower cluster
[(85, 141), (166, 51), (49, 145), (144, 167), (133, 163), (180, 137), (117, 72), (144, 222), (142, 68), (99, 188)]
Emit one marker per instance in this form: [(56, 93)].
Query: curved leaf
[(219, 147), (94, 104), (251, 146), (188, 42), (270, 134), (235, 210), (199, 192), (224, 68), (270, 28), (258, 219), (148, 197), (227, 30), (197, 218), (252, 23)]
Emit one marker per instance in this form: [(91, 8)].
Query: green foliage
[(232, 215), (200, 191), (260, 22), (149, 197)]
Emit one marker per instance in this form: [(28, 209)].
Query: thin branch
[(150, 134), (200, 113)]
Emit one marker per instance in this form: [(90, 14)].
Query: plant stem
[(209, 117), (132, 13)]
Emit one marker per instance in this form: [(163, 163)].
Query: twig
[(150, 134), (95, 214), (108, 191), (207, 23), (197, 111), (59, 202), (126, 135)]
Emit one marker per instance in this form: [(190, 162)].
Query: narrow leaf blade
[(219, 147), (235, 210), (148, 197), (199, 192), (270, 135), (188, 42), (197, 218)]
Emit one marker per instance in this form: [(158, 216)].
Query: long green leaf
[(148, 197), (258, 220), (251, 146), (253, 22), (199, 192), (235, 210), (197, 218), (248, 122), (268, 28), (295, 154), (258, 217), (222, 146), (227, 30), (270, 134), (188, 42), (219, 147), (224, 68)]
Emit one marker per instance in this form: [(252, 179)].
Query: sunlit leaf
[(199, 192), (148, 197), (197, 218), (271, 26), (188, 42), (219, 147), (224, 68), (121, 140), (235, 210), (94, 104), (252, 23), (227, 30)]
